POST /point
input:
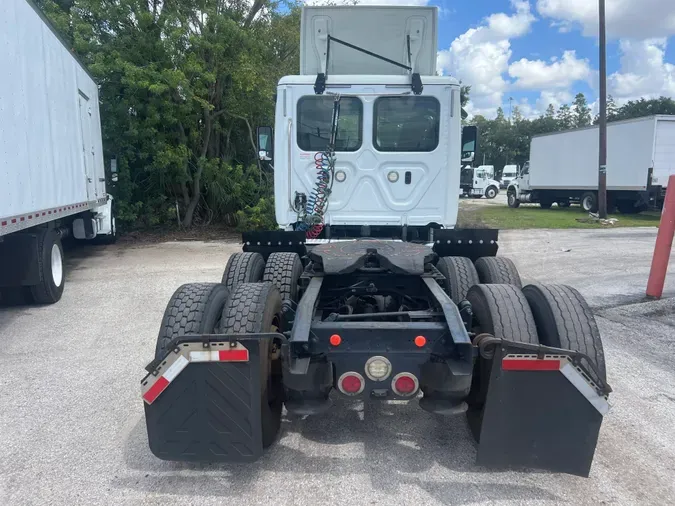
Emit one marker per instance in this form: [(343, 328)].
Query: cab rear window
[(406, 124), (315, 114)]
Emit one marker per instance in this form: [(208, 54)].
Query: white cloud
[(625, 18), (644, 72), (480, 56), (559, 73)]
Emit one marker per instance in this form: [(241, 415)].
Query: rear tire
[(243, 268), (284, 270), (589, 202), (497, 271), (194, 308), (564, 320), (256, 308), (502, 310), (628, 207), (50, 265), (460, 275)]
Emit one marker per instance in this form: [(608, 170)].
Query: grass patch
[(502, 217)]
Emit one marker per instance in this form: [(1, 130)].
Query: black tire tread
[(507, 311), (185, 312), (460, 275), (45, 292), (245, 313), (498, 271), (573, 320), (244, 267), (283, 269)]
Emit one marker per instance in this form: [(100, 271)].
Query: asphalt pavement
[(71, 417)]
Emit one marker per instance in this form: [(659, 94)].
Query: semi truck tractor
[(563, 166), (367, 290), (51, 162)]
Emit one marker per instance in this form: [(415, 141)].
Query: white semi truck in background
[(479, 181), (52, 179), (563, 166)]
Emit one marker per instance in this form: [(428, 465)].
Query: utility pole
[(602, 174)]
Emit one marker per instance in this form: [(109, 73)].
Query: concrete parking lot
[(71, 417)]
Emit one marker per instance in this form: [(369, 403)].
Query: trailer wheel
[(502, 310), (589, 202), (195, 308), (50, 265), (564, 320), (497, 271), (244, 267), (284, 270), (256, 308), (460, 275), (512, 199)]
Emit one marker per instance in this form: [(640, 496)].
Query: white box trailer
[(563, 166), (51, 155)]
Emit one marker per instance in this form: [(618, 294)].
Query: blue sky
[(545, 51)]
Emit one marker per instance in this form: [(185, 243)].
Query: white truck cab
[(509, 173), (398, 136), (479, 182)]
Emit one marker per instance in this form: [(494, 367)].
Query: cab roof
[(357, 80)]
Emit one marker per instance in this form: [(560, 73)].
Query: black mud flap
[(541, 411), (203, 400)]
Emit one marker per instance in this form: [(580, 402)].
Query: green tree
[(581, 112), (565, 117), (183, 84)]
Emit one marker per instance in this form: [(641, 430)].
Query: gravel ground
[(71, 418)]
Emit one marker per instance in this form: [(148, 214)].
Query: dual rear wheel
[(247, 301)]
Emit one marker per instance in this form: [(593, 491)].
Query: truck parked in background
[(479, 181), (51, 157), (509, 173), (563, 166)]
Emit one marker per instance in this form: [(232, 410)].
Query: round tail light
[(404, 384), (351, 383)]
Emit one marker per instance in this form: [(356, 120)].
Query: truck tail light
[(351, 383), (405, 384)]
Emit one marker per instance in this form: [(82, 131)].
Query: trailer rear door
[(664, 151)]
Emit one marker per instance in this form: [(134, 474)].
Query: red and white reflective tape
[(562, 364), (153, 385), (27, 220)]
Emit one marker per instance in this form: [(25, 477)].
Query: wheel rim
[(512, 198), (491, 193), (587, 204), (57, 265)]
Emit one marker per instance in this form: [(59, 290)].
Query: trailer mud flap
[(541, 411), (203, 400)]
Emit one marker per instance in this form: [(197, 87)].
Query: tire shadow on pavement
[(396, 445)]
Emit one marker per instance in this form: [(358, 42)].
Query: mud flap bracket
[(203, 400)]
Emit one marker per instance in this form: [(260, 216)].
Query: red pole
[(664, 243)]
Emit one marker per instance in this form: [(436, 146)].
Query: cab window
[(315, 114), (406, 124)]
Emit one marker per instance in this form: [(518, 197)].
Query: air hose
[(311, 221)]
